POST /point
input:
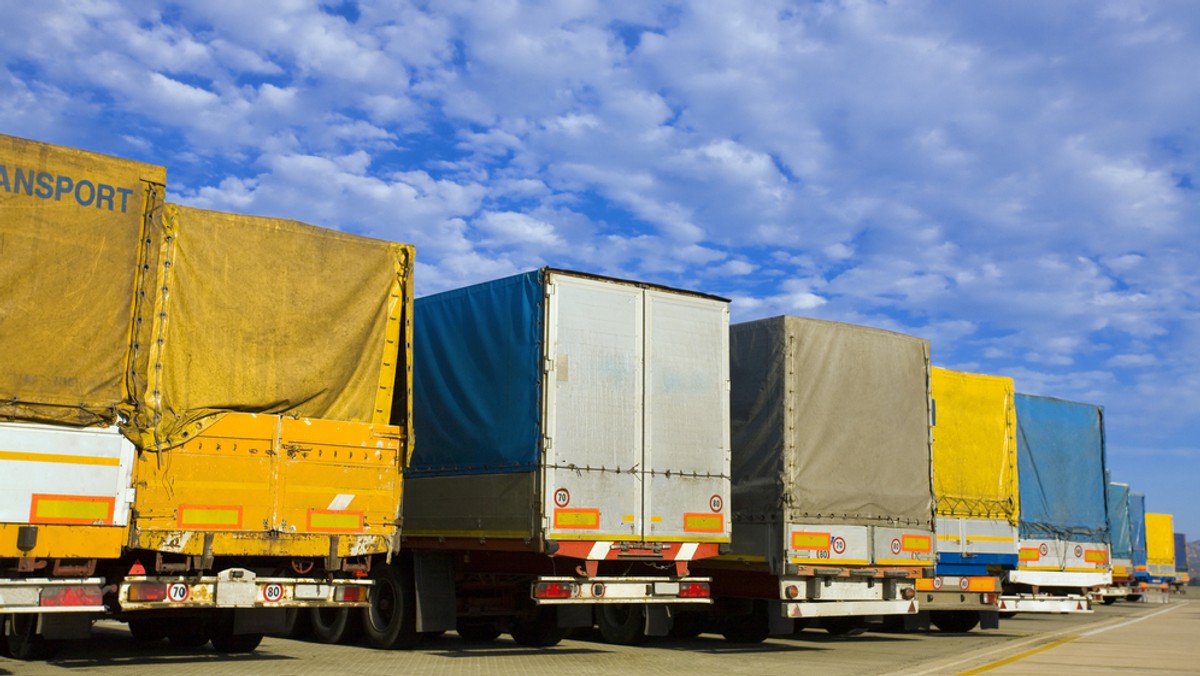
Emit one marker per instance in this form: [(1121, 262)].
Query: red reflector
[(553, 590), (350, 594), (987, 599), (694, 590), (147, 591), (86, 595)]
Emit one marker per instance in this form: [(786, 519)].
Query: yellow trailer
[(1160, 547)]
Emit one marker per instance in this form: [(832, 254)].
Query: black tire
[(1007, 615), (688, 625), (752, 628), (1108, 600), (539, 631), (147, 631), (851, 625), (335, 625), (1131, 597), (297, 624), (185, 634), (478, 631), (622, 623), (954, 621), (225, 642), (391, 619), (23, 641)]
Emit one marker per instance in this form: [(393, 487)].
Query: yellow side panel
[(1160, 539), (266, 485), (974, 446), (67, 542)]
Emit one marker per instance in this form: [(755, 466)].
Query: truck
[(1160, 549), (196, 407), (571, 461), (1064, 542), (833, 510), (1140, 586), (975, 485), (1182, 576), (1121, 535)]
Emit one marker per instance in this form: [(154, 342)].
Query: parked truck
[(1160, 548), (1064, 542), (1182, 576), (975, 485), (1120, 532), (571, 463), (832, 496), (1140, 587), (196, 406)]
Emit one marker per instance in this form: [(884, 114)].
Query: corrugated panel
[(73, 227), (838, 415), (1118, 520), (1062, 469), (974, 446), (477, 367)]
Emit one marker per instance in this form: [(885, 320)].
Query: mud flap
[(66, 626), (918, 621), (658, 619), (575, 615), (433, 577), (989, 620), (260, 621), (778, 622)]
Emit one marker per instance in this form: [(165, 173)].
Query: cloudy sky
[(1015, 181)]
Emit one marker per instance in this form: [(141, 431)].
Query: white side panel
[(1064, 556), (827, 544), (902, 546), (686, 458), (52, 463), (976, 536), (594, 339)]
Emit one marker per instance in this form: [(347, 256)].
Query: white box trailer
[(832, 489), (572, 450)]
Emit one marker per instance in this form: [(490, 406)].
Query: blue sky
[(1015, 181)]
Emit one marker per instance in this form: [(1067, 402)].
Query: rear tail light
[(349, 594), (908, 593), (988, 599), (694, 590), (147, 591), (554, 590), (85, 595), (791, 591)]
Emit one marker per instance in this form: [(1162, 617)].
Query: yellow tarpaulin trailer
[(1160, 545)]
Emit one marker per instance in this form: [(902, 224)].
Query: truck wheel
[(752, 628), (147, 631), (688, 625), (24, 643), (539, 631), (226, 642), (1007, 615), (1131, 597), (336, 625), (477, 631), (390, 621), (1108, 600), (844, 626), (185, 634), (622, 623), (297, 624), (955, 621)]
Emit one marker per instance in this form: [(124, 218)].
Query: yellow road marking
[(1019, 656)]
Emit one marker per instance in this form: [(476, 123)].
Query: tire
[(297, 624), (335, 625), (955, 621), (752, 628), (390, 621), (622, 623), (539, 631), (1134, 597), (844, 626), (1006, 615), (147, 631), (228, 643), (187, 634), (1108, 600), (23, 641), (478, 631)]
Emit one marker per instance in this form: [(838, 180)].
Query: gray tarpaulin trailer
[(832, 491)]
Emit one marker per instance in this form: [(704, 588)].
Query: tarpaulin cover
[(263, 315), (830, 423), (1061, 467), (1181, 557), (1118, 521), (1137, 527), (71, 238), (1160, 540), (974, 446), (477, 361)]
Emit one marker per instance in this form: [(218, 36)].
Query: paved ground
[(1125, 638)]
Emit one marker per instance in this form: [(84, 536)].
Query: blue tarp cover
[(1137, 529), (477, 365), (1060, 464), (1181, 557), (1118, 521)]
